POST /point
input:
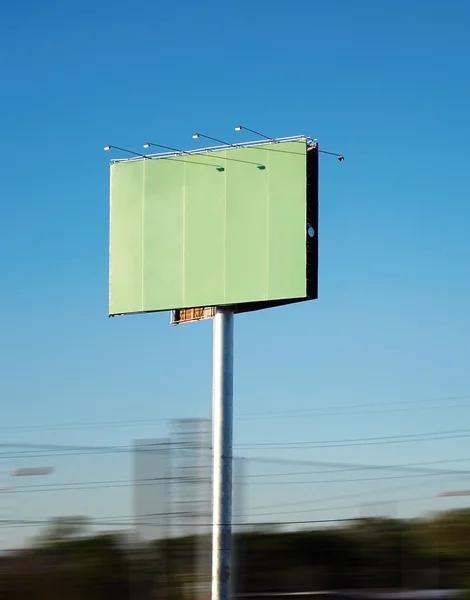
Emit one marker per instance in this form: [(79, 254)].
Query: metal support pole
[(222, 425)]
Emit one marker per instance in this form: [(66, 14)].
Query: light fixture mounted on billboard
[(109, 147), (196, 136), (241, 127), (149, 144), (340, 157)]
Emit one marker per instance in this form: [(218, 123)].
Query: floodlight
[(339, 156), (240, 127), (148, 144), (208, 137), (106, 148)]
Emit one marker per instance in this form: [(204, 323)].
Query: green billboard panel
[(217, 228)]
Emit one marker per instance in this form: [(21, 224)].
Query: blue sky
[(384, 83)]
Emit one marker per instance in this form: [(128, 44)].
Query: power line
[(91, 485), (405, 404), (329, 508), (345, 468), (339, 443), (334, 467), (28, 523), (89, 425), (362, 479), (301, 414), (358, 494), (420, 467), (329, 410)]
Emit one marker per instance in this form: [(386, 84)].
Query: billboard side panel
[(246, 226), (163, 234), (287, 220), (204, 230), (312, 220), (125, 238)]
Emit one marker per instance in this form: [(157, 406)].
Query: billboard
[(231, 227)]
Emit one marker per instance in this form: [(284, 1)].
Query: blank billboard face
[(235, 227)]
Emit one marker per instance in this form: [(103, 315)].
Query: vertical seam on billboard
[(110, 235), (142, 238), (267, 224)]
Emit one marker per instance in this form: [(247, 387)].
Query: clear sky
[(384, 83)]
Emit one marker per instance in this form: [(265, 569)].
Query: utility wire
[(374, 441), (91, 485), (328, 410), (151, 447), (329, 508), (27, 523), (419, 467), (338, 443), (404, 404)]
